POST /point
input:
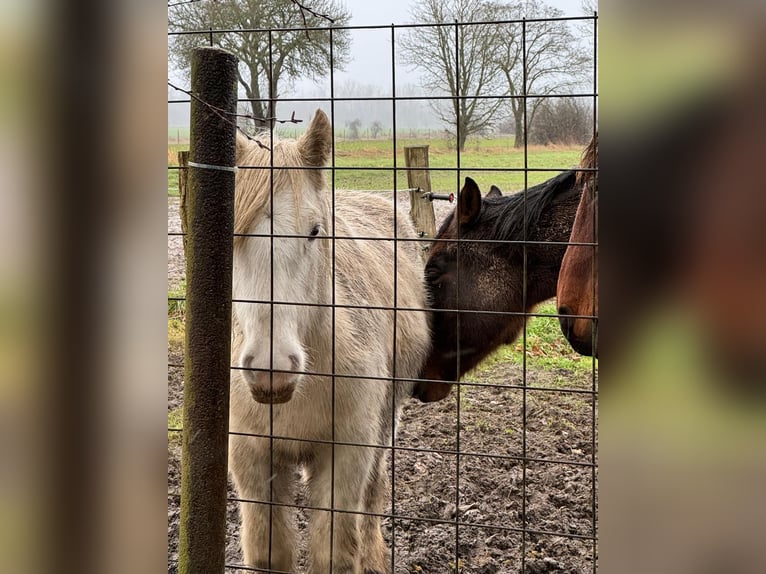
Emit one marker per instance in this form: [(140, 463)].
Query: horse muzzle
[(582, 340), (272, 387), (429, 392)]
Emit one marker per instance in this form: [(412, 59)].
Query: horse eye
[(314, 232), (433, 272)]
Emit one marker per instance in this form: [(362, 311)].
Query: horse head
[(475, 273), (281, 263)]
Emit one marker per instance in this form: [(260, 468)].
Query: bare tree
[(375, 129), (555, 61), (588, 7), (458, 61), (562, 121), (353, 128), (268, 61)]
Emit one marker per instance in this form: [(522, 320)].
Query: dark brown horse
[(477, 268), (577, 292)]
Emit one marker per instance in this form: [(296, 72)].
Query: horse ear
[(494, 191), (243, 144), (469, 202), (316, 144)]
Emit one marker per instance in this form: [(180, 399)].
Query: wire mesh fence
[(336, 467)]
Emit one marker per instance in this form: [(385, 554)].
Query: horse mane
[(254, 184), (511, 209), (589, 160)]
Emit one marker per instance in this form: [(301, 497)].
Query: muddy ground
[(559, 496), (487, 483)]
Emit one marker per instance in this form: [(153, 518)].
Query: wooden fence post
[(183, 185), (210, 227), (421, 209)]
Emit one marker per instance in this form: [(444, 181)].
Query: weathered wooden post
[(183, 186), (210, 227), (419, 182)]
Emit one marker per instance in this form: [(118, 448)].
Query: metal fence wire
[(500, 476)]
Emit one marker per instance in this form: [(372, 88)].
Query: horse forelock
[(254, 186)]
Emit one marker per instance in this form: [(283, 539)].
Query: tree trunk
[(518, 122), (258, 111), (461, 140)]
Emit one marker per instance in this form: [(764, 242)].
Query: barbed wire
[(183, 2), (225, 115)]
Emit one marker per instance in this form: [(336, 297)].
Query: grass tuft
[(176, 306), (175, 421)]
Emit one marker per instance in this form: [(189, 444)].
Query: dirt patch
[(496, 495)]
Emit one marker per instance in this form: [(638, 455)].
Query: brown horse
[(477, 268), (577, 292)]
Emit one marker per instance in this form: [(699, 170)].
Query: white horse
[(301, 330)]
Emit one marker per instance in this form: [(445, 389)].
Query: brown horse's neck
[(546, 252)]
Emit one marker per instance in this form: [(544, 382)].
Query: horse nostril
[(294, 362), (564, 310), (247, 361)]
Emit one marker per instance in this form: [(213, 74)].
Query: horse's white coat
[(331, 339)]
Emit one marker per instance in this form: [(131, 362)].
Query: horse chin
[(429, 392), (581, 340), (273, 396), (584, 346), (273, 391)]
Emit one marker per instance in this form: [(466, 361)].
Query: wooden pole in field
[(421, 209), (209, 253)]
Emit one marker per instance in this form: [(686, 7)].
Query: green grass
[(176, 307), (493, 153), (483, 153), (176, 335), (175, 421), (173, 150), (546, 348)]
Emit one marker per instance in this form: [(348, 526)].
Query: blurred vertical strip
[(82, 286), (683, 281), (23, 282)]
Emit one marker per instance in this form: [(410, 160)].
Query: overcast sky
[(376, 12), (370, 52)]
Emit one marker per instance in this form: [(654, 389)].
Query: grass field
[(484, 154), (546, 347)]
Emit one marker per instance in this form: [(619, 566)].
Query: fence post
[(210, 223), (421, 209), (183, 186)]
